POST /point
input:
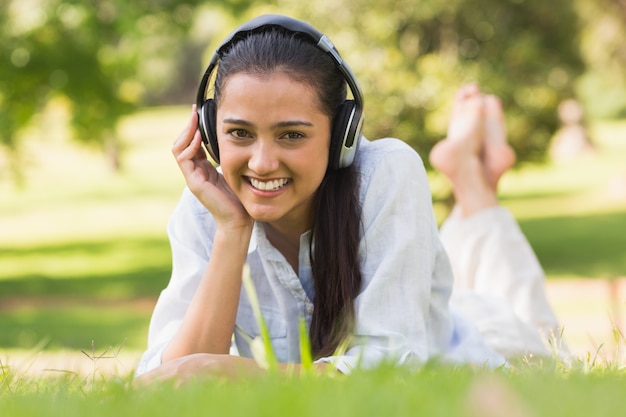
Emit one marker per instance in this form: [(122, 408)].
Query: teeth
[(268, 185)]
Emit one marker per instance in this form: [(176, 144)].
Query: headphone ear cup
[(339, 129), (343, 135), (208, 130)]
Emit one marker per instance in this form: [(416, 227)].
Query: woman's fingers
[(187, 149), (185, 137), (193, 150)]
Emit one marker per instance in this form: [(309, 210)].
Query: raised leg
[(491, 258)]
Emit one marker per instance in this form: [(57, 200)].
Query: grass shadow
[(586, 245), (69, 294), (118, 267), (74, 325), (144, 282)]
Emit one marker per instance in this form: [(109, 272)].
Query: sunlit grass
[(433, 391), (72, 192), (98, 258), (86, 235), (590, 173), (76, 218), (574, 212)]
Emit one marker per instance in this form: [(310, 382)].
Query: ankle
[(471, 188)]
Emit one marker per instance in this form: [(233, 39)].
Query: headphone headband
[(350, 134), (269, 20)]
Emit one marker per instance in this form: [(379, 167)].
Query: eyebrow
[(287, 123)]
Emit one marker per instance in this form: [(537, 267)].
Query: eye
[(239, 133), (293, 135)]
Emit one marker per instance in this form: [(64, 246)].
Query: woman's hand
[(204, 365), (204, 181), (201, 365)]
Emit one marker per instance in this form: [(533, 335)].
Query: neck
[(286, 241)]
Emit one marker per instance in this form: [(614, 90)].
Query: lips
[(270, 185)]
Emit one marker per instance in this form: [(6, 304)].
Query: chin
[(264, 216)]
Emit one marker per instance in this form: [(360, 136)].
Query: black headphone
[(347, 125)]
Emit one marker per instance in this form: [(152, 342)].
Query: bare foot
[(461, 155), (498, 156), (465, 133)]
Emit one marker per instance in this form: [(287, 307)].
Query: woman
[(345, 239)]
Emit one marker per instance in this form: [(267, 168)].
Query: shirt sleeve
[(190, 232), (402, 312)]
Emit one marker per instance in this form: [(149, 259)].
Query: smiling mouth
[(272, 185)]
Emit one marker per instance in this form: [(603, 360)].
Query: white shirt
[(402, 312)]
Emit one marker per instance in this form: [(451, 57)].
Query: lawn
[(432, 391), (84, 253), (81, 238), (574, 212)]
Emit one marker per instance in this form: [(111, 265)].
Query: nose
[(264, 159)]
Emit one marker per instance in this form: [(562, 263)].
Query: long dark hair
[(337, 214)]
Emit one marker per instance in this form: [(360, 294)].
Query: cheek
[(316, 165), (231, 166), (324, 154), (321, 162)]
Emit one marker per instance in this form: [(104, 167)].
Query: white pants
[(499, 283)]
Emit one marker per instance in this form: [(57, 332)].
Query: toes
[(467, 118), (465, 94), (495, 129), (467, 91), (494, 106)]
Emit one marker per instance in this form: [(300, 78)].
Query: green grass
[(80, 231), (115, 267), (564, 246), (436, 391), (74, 326), (574, 212)]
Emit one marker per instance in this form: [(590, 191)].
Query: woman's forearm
[(208, 324)]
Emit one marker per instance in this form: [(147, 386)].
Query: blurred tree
[(89, 52), (19, 100), (603, 45), (109, 56), (411, 56)]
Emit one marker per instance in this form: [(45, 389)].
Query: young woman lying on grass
[(336, 229)]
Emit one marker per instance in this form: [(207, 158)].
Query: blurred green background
[(92, 94)]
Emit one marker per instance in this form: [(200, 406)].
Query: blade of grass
[(267, 351), (305, 347)]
